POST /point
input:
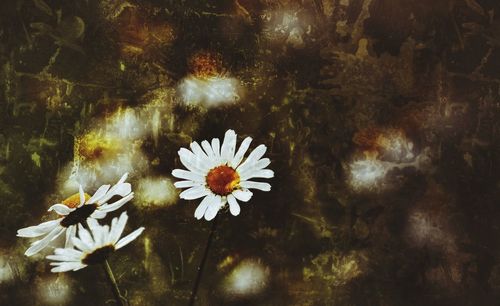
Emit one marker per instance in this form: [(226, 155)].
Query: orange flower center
[(74, 200), (222, 180)]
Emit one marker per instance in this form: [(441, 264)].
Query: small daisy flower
[(93, 247), (219, 175), (76, 210)]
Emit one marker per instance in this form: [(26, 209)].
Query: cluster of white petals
[(91, 243), (97, 207), (202, 163)]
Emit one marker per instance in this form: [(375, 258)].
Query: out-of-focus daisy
[(75, 210), (208, 83), (218, 174), (93, 247)]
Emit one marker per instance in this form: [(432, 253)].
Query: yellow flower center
[(74, 200), (222, 180)]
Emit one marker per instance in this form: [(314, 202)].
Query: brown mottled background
[(412, 85)]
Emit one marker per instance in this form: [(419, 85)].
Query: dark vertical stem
[(120, 299), (202, 263)]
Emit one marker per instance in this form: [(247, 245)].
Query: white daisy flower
[(218, 174), (93, 247), (76, 210)]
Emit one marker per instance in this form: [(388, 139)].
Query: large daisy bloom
[(93, 247), (76, 210), (219, 174)]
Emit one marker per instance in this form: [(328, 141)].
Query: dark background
[(427, 70)]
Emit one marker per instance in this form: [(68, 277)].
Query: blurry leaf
[(72, 28), (36, 159), (473, 5), (44, 7), (46, 142), (41, 27), (66, 43), (77, 31), (59, 16), (69, 89)]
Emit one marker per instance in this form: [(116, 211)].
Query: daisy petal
[(119, 226), (82, 195), (61, 268), (61, 209), (188, 175), (58, 234), (208, 149), (129, 238), (92, 224), (238, 157), (81, 245), (70, 233), (122, 190), (243, 195), (191, 161), (256, 185), (202, 208), (256, 154), (234, 207), (60, 258), (216, 147), (85, 236), (194, 193), (66, 256), (264, 173), (105, 235), (213, 208), (123, 178), (79, 266), (68, 252), (98, 214), (116, 205), (38, 230), (99, 194), (37, 246), (228, 146), (198, 152), (68, 266), (185, 184), (258, 165)]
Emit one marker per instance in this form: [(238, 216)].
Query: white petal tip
[(210, 218)]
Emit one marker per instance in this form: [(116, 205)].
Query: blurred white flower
[(211, 91), (93, 247), (217, 174), (73, 213), (249, 278), (156, 191), (54, 290), (367, 173)]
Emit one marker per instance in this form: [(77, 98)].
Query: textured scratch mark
[(358, 27)]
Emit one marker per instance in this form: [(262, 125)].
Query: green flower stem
[(120, 299), (202, 263)]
